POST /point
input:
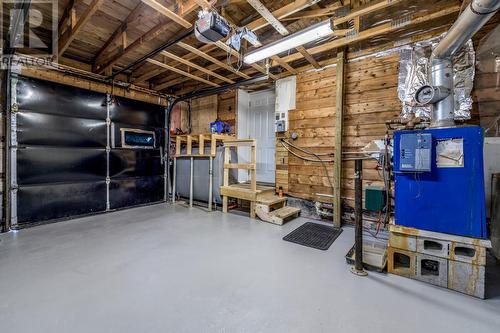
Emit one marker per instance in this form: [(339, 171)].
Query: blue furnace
[(439, 180)]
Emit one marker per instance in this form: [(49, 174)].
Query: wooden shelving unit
[(240, 191), (202, 141)]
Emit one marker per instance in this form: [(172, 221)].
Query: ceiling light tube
[(310, 34)]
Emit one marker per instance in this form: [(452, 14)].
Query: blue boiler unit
[(439, 180)]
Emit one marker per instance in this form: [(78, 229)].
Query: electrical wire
[(304, 157), (306, 151), (283, 141)]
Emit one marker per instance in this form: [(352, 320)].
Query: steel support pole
[(174, 177), (211, 182), (358, 212), (191, 180)]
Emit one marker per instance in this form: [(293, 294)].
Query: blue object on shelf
[(450, 197), (220, 127)]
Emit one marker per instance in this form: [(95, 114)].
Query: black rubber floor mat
[(318, 236)]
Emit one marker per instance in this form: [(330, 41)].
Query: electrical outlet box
[(281, 121)]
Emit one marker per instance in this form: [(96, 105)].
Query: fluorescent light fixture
[(312, 33)]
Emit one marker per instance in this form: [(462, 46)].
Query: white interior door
[(256, 120)]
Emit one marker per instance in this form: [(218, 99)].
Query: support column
[(339, 117), (174, 177), (191, 180), (211, 182), (358, 213)]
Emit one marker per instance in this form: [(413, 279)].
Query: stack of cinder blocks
[(448, 261)]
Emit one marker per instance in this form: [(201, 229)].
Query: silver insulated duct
[(440, 94)]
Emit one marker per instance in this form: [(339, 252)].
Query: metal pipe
[(358, 214), (191, 181), (477, 13), (174, 176), (211, 182)]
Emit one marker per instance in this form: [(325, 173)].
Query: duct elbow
[(477, 13)]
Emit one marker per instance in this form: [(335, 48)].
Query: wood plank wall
[(227, 108), (207, 109), (371, 99), (203, 112), (487, 98)]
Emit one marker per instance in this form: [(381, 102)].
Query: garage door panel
[(132, 112), (136, 191), (135, 163), (56, 165), (52, 98), (36, 129), (57, 201)]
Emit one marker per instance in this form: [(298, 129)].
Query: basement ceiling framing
[(105, 36)]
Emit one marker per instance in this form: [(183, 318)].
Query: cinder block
[(403, 242), (472, 254), (466, 278), (401, 262), (433, 270), (433, 247)]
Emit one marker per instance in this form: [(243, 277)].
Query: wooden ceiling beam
[(168, 13), (146, 37), (68, 17), (372, 32), (70, 34), (313, 13), (228, 49), (268, 16), (148, 75), (181, 72), (282, 12), (193, 65), (278, 26), (172, 81), (365, 10), (285, 11), (211, 59), (132, 16)]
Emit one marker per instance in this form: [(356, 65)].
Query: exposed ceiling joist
[(372, 32), (132, 16), (226, 48), (146, 37), (268, 16), (168, 13), (67, 17), (172, 80), (365, 10), (284, 64), (181, 72), (285, 11), (211, 59), (148, 75), (302, 50), (70, 34), (278, 26), (313, 13), (193, 65)]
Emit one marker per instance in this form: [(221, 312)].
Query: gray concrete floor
[(172, 269)]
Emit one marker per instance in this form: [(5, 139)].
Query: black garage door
[(78, 152)]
